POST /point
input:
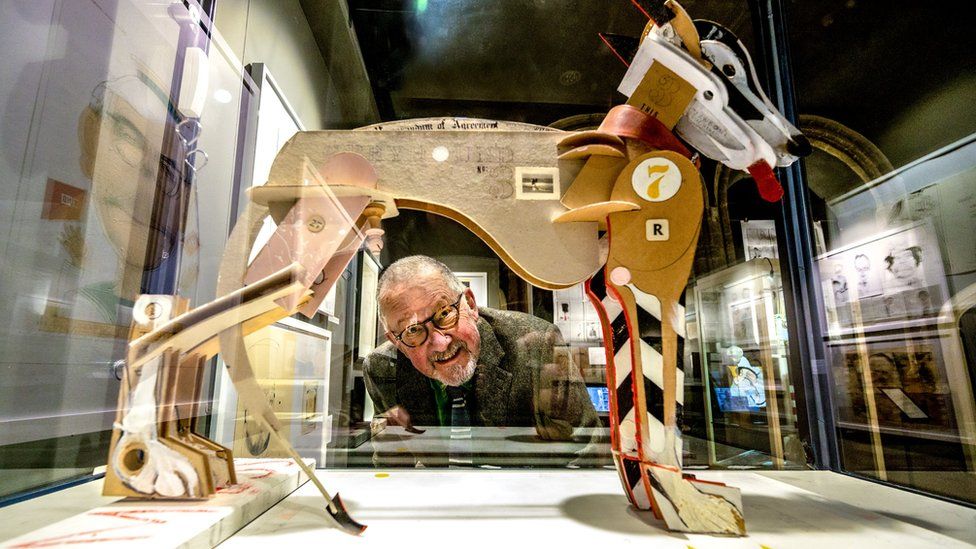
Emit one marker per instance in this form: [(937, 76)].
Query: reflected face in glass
[(883, 371), (122, 163), (449, 355), (903, 264)]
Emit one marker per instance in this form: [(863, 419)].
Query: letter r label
[(657, 230)]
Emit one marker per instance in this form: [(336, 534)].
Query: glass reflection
[(902, 384), (490, 368)]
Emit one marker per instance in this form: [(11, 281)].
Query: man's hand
[(553, 396), (399, 416)]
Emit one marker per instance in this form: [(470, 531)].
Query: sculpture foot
[(687, 504), (151, 468), (342, 518)]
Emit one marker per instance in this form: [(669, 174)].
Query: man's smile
[(448, 355)]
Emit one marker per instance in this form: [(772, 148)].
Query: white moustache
[(455, 347)]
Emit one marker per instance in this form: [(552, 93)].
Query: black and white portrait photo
[(868, 277), (895, 277)]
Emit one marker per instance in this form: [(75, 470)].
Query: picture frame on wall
[(759, 239), (894, 278), (575, 317), (909, 387), (745, 326), (368, 308), (478, 283)]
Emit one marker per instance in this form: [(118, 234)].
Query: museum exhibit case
[(690, 255)]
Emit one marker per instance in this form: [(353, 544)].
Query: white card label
[(657, 230)]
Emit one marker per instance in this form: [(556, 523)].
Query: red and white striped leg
[(642, 342)]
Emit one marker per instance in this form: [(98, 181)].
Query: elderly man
[(449, 361)]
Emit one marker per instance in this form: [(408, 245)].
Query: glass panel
[(739, 378), (539, 395), (891, 183), (897, 285), (87, 130), (753, 416)]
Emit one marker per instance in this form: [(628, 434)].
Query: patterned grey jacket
[(525, 377)]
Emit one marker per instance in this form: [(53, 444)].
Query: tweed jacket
[(524, 377)]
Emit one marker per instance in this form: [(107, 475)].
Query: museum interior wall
[(881, 376)]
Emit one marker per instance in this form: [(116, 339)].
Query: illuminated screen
[(600, 397), (730, 402)]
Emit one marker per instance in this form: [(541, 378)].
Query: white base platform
[(478, 508), (81, 516), (561, 509)]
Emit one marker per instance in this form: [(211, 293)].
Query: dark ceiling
[(861, 62), (525, 60)]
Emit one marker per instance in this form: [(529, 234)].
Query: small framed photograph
[(537, 183), (745, 328), (478, 282)]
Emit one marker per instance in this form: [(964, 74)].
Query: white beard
[(458, 374)]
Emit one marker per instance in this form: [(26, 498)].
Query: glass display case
[(831, 330), (894, 279), (96, 209), (743, 338)]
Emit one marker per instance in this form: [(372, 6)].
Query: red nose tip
[(769, 187)]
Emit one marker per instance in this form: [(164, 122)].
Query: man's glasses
[(444, 318)]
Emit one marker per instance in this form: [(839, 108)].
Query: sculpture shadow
[(612, 512)]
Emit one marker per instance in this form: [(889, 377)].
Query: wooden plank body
[(476, 186)]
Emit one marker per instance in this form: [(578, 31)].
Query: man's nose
[(438, 339)]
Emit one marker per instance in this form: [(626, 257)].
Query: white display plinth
[(579, 508), (169, 523)]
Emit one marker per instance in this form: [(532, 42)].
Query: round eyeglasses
[(444, 318)]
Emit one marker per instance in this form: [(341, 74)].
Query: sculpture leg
[(646, 393), (620, 385), (142, 461)]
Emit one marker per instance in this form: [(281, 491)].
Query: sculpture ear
[(88, 128)]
